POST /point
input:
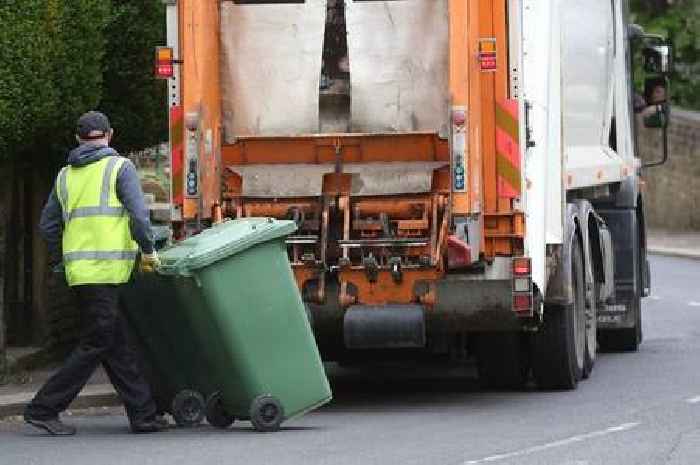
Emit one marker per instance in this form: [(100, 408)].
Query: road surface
[(637, 408)]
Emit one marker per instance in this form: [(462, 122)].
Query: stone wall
[(673, 189), (4, 207)]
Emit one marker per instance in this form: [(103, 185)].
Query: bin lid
[(221, 241)]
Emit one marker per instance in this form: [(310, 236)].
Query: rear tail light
[(522, 266), (164, 63), (522, 304), (522, 287)]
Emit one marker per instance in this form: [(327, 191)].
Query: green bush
[(134, 30), (64, 57)]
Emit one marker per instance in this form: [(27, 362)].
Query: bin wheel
[(266, 413), (216, 415), (188, 408)]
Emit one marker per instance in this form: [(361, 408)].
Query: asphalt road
[(638, 408)]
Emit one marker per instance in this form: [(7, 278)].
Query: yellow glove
[(149, 262)]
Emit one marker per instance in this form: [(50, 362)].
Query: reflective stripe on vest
[(97, 243)]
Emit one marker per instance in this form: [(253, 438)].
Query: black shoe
[(54, 426), (149, 426)]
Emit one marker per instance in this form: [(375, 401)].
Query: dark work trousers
[(103, 339)]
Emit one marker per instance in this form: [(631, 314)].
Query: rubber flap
[(220, 242)]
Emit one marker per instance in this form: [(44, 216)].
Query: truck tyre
[(559, 346), (591, 331), (501, 360)]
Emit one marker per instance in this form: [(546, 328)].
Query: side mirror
[(658, 59), (657, 117)]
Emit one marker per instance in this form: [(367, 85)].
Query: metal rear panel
[(541, 89), (399, 69), (300, 180), (271, 68)]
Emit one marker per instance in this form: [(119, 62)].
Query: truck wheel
[(591, 332), (188, 408), (559, 348), (501, 360), (266, 413), (216, 414)]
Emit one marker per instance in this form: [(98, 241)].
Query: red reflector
[(488, 61), (459, 118), (522, 266), (164, 70), (522, 303)]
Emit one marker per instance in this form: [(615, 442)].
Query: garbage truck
[(463, 173)]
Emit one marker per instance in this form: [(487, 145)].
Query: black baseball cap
[(90, 122)]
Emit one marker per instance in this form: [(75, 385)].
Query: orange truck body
[(424, 240)]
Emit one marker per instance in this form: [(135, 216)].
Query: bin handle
[(174, 268)]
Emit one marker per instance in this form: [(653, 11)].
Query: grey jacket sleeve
[(130, 194), (51, 225)]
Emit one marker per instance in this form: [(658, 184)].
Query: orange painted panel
[(385, 290), (500, 27), (313, 149), (488, 114), (459, 81), (201, 94), (475, 129), (459, 53)]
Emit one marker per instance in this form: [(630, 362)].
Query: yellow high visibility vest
[(97, 244)]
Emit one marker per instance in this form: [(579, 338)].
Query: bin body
[(234, 319), (158, 311)]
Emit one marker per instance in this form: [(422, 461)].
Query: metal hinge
[(529, 143)]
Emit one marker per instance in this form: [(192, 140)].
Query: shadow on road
[(406, 385)]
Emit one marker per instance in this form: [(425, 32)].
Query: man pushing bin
[(95, 221)]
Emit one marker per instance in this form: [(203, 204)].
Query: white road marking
[(694, 304), (693, 400), (552, 445)]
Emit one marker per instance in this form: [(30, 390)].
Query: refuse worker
[(97, 216)]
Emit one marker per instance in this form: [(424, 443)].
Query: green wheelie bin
[(224, 330)]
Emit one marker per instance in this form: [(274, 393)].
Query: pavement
[(639, 408), (674, 244), (99, 392), (15, 395)]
